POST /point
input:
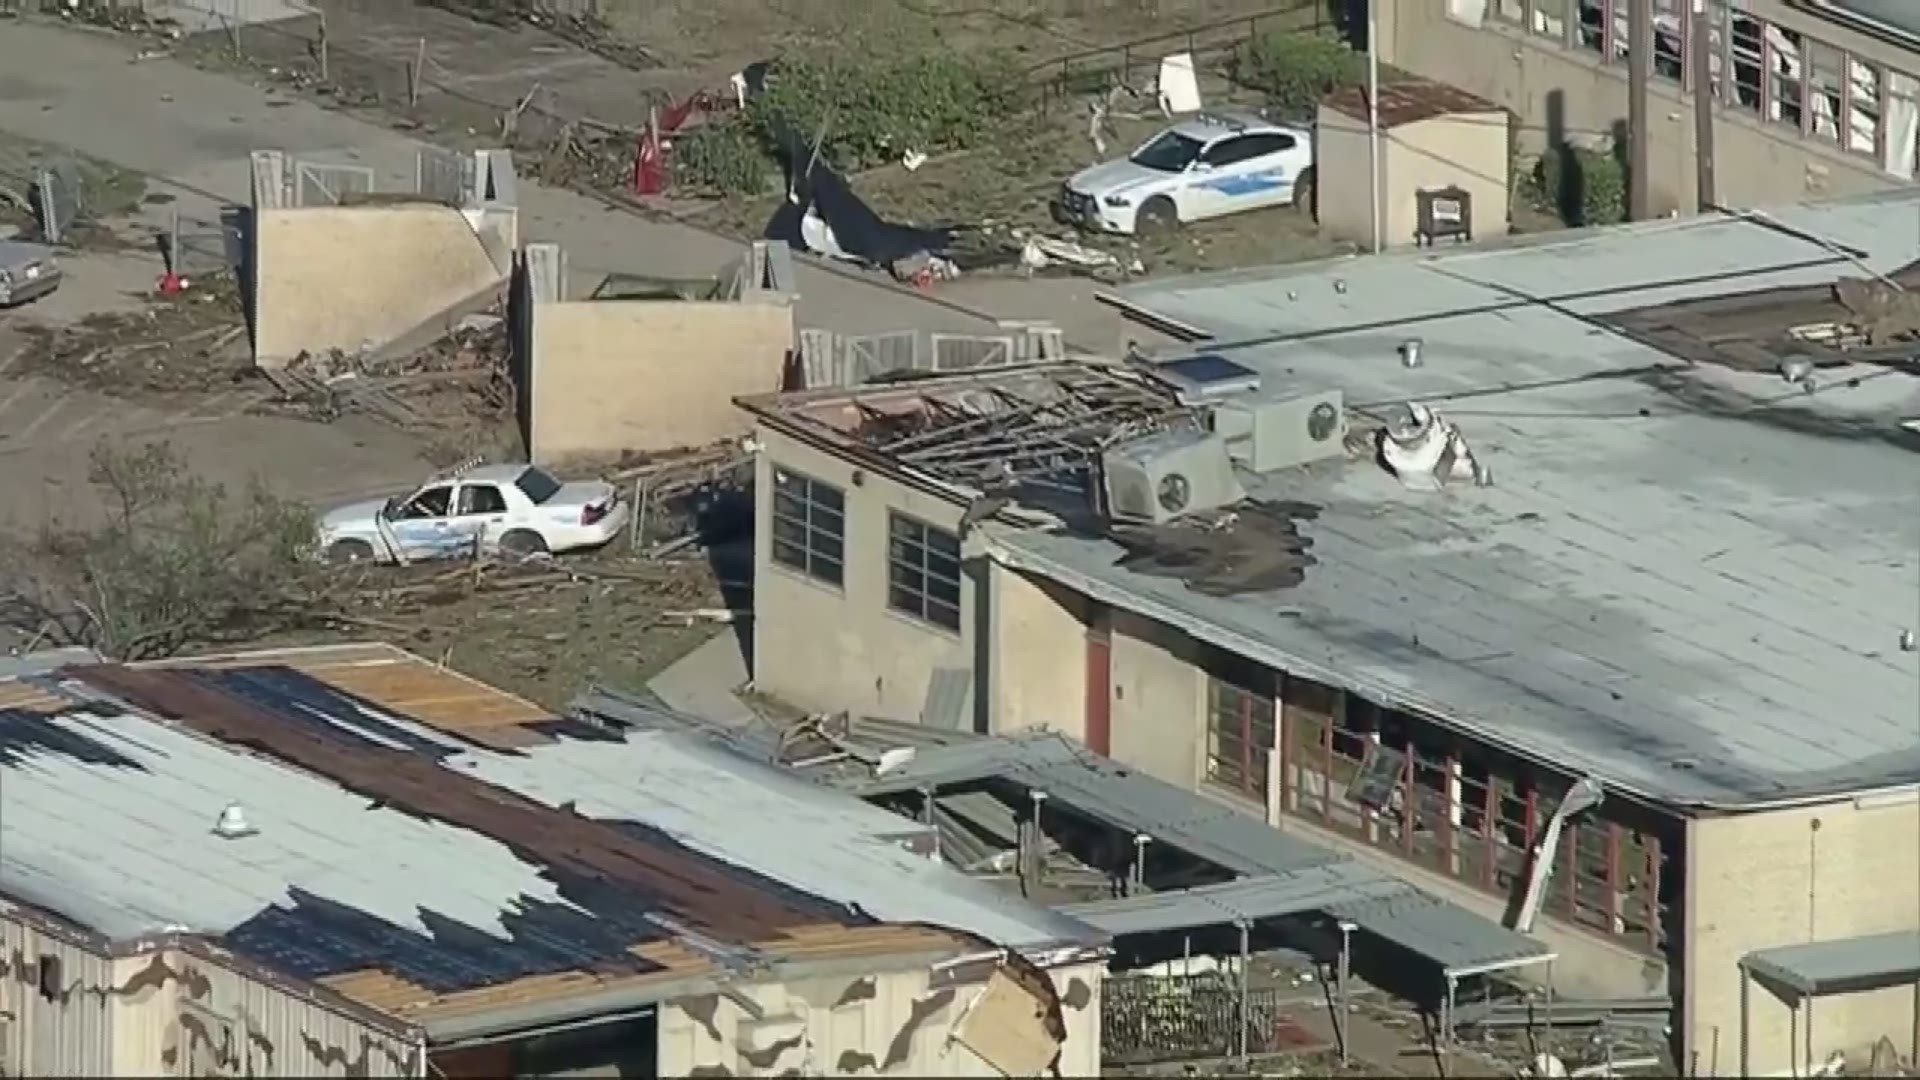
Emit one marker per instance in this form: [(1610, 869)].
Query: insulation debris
[(1255, 548)]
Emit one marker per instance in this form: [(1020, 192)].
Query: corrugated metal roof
[(1675, 568), (1457, 940), (818, 840), (378, 849), (1112, 794), (1242, 900), (1841, 967), (1281, 875)]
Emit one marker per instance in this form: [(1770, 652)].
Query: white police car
[(1205, 167)]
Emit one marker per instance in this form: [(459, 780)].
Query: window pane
[(1669, 37), (923, 571), (1510, 10), (1863, 118), (1550, 18), (1824, 90), (807, 525), (1748, 57), (1593, 24), (1787, 75)]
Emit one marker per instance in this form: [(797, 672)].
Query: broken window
[(1513, 11), (923, 571), (431, 503), (1401, 784), (1786, 75), (1550, 19), (1825, 90), (809, 526), (476, 499), (1749, 60), (1863, 107), (1240, 725), (1903, 123), (1593, 24), (1670, 38)]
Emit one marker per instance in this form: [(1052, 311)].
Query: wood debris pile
[(453, 382), (195, 343)]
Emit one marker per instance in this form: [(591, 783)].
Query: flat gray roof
[(1840, 967), (1690, 581)]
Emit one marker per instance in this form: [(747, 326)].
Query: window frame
[(461, 500), (911, 572), (1466, 811), (803, 554), (1242, 703)]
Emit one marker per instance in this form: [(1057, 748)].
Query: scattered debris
[(188, 344), (1256, 548), (1427, 452), (1177, 88), (1039, 252), (1883, 312), (456, 381)]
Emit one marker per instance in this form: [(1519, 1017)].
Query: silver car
[(27, 272)]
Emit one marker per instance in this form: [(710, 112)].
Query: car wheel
[(1303, 193), (1157, 217), (522, 542), (344, 552)]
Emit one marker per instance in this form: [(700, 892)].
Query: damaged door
[(1100, 681), (424, 525)]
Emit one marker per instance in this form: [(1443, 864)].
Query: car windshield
[(1169, 151), (536, 485)]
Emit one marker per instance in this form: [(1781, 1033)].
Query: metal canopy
[(1844, 966), (1461, 943)]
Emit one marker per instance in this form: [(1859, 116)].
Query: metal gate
[(57, 187), (967, 352), (870, 356), (446, 176), (321, 184)]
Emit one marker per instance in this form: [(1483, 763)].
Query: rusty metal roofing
[(371, 868), (1409, 102)]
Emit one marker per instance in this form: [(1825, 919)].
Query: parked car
[(1209, 166), (515, 508), (27, 272)]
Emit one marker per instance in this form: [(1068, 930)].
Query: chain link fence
[(1146, 1019)]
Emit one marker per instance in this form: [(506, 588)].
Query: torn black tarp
[(851, 229)]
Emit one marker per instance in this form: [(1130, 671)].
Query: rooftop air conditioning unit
[(1270, 432), (1161, 477)]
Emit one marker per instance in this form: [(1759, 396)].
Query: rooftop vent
[(233, 823), (1427, 452), (1274, 432), (1161, 477), (1205, 378)]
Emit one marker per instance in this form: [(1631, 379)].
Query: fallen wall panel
[(352, 277)]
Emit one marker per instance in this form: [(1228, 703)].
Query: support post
[(1705, 198), (1639, 70), (416, 72), (1446, 1023), (1746, 987), (1246, 1016), (1373, 118), (320, 49), (1345, 1018)]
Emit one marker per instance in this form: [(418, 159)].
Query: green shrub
[(725, 158), (1295, 70), (1585, 187), (878, 107)]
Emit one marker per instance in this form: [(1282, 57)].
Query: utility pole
[(1373, 117), (1701, 62), (1639, 66)]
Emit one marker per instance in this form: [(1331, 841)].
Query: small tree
[(178, 560)]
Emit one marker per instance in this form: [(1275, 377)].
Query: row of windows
[(810, 535), (1778, 74), (1396, 784)]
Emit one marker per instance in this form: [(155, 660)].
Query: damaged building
[(1572, 580), (346, 861)]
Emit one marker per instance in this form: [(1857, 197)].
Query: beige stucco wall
[(611, 376), (345, 277), (1757, 164), (828, 649), (156, 1013), (1786, 878), (1468, 150), (889, 1023), (1037, 655)]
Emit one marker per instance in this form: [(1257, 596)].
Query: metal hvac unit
[(1270, 433), (1161, 477)]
